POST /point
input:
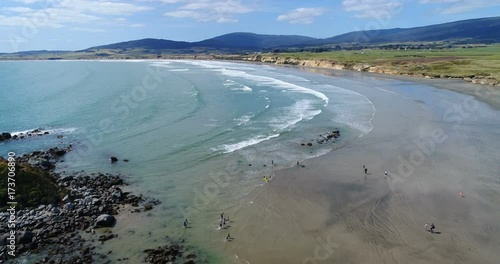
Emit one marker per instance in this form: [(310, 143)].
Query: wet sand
[(434, 144)]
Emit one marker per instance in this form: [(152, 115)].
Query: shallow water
[(199, 135)]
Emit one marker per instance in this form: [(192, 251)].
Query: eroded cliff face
[(361, 67)]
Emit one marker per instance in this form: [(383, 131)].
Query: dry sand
[(331, 212)]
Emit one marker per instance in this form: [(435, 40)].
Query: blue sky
[(79, 24)]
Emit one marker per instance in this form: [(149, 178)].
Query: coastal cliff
[(415, 68)]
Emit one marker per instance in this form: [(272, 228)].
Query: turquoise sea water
[(199, 134)]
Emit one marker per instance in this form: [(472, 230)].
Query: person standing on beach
[(222, 216), (426, 227), (366, 170), (432, 228)]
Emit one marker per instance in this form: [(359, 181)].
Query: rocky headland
[(56, 215), (406, 68)]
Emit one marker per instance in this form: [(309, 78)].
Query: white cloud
[(27, 2), (220, 11), (461, 6), (12, 21), (372, 8), (60, 13), (18, 9), (302, 15), (91, 30), (103, 7)]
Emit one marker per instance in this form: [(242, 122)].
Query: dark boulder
[(47, 164), (105, 220), (60, 152), (24, 237), (5, 136), (113, 159)]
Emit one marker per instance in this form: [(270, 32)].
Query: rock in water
[(5, 136), (105, 220), (113, 159)]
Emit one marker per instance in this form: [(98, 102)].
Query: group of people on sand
[(366, 171), (222, 224), (427, 228)]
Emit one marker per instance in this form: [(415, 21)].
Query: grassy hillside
[(454, 63), (33, 186)]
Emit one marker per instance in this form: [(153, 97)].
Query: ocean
[(199, 135)]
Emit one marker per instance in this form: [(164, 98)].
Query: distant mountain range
[(481, 30)]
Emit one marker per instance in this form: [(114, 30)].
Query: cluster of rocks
[(45, 159), (55, 229), (324, 138), (172, 252), (114, 159), (35, 132)]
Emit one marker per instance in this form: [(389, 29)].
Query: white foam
[(273, 82), (243, 88), (268, 101), (348, 108), (299, 111), (218, 64), (51, 131), (237, 70), (228, 148), (243, 120), (178, 70)]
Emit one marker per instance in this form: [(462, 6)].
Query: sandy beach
[(434, 144)]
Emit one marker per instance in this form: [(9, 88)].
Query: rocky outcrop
[(5, 136), (17, 136), (172, 252), (91, 200), (324, 138)]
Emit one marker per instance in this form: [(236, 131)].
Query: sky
[(79, 24)]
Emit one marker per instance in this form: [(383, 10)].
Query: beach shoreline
[(331, 206), (329, 202)]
